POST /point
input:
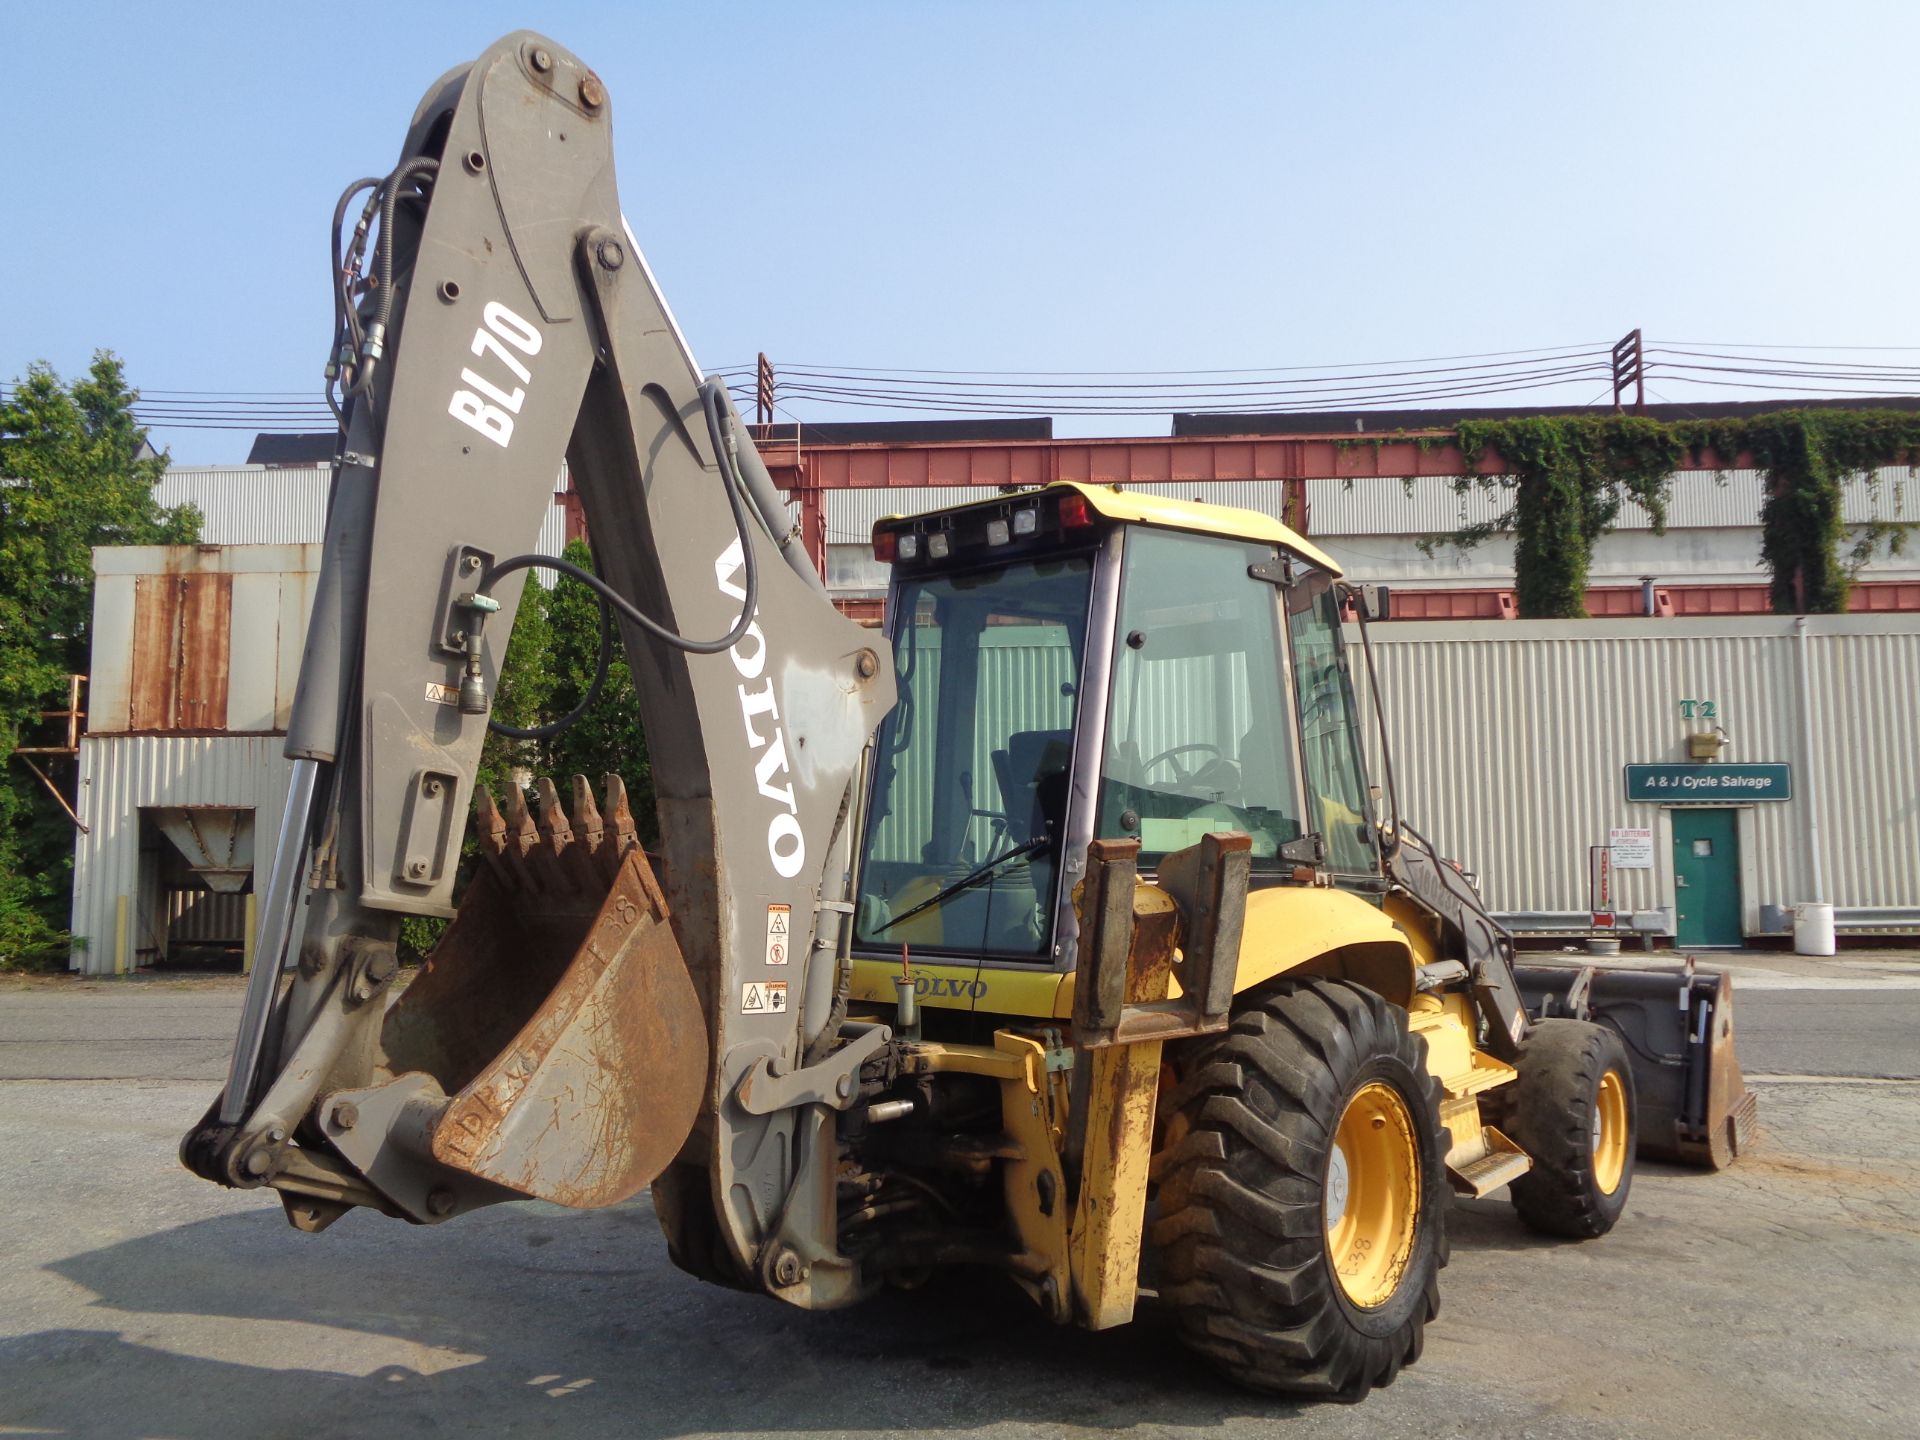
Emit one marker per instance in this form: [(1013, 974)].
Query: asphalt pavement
[(1771, 1300)]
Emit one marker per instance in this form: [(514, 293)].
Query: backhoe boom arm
[(509, 321)]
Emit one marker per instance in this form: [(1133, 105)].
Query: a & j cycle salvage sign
[(1682, 784)]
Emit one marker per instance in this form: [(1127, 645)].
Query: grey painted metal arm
[(524, 327)]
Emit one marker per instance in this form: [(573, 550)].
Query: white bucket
[(1813, 929)]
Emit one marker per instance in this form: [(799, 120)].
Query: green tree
[(75, 472), (607, 738), (524, 696)]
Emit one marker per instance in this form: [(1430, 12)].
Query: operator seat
[(1033, 776)]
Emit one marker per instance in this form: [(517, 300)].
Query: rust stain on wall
[(181, 652)]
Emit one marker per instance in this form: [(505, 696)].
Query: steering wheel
[(1182, 775)]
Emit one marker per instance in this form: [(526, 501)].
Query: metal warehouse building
[(195, 653), (1512, 742), (1512, 739)]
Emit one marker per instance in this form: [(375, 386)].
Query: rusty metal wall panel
[(156, 621), (1509, 739), (205, 651), (181, 648), (198, 637), (120, 775)]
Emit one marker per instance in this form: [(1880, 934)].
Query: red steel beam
[(1142, 461), (808, 471)]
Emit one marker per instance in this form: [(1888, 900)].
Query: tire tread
[(1243, 1251)]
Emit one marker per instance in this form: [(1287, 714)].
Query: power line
[(1587, 346), (1292, 389)]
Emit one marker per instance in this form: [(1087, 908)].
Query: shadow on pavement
[(553, 1322)]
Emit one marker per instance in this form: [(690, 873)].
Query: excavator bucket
[(557, 1010), (1677, 1024)]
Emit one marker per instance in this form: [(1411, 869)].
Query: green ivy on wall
[(1567, 477), (1806, 457), (1564, 479)]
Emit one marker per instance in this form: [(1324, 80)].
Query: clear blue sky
[(1007, 186)]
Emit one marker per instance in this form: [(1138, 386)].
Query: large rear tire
[(1573, 1109), (1302, 1192)]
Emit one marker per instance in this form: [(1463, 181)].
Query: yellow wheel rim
[(1372, 1195), (1609, 1134)]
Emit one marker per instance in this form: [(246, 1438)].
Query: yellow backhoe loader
[(1056, 929)]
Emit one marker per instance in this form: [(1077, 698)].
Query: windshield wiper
[(974, 877)]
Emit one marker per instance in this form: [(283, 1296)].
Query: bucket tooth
[(522, 838), (555, 864), (583, 857), (617, 823), (489, 826), (586, 815)]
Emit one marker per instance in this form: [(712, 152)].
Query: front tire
[(1573, 1109), (1302, 1193)]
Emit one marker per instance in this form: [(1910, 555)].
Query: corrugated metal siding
[(1701, 500), (1866, 764), (252, 504), (119, 775), (1509, 738), (274, 505), (201, 917), (553, 540)]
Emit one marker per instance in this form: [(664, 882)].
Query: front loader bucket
[(557, 1011), (1677, 1024)]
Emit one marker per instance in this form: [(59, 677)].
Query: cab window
[(1329, 729), (1197, 736)]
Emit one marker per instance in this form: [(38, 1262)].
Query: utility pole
[(763, 390), (1629, 370)]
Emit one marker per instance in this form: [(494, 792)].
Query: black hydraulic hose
[(387, 194), (600, 670), (383, 256), (729, 482), (611, 600), (338, 284)]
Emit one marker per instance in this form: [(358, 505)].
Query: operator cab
[(1077, 662)]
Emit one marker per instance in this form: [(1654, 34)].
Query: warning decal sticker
[(779, 928), (763, 997)]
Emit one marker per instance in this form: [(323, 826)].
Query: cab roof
[(1136, 508), (1141, 509)]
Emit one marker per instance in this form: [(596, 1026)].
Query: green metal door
[(1706, 878)]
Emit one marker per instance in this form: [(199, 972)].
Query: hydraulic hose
[(612, 600), (594, 687)]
